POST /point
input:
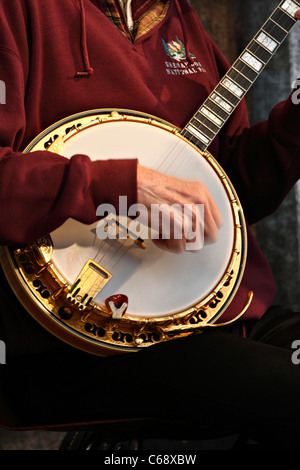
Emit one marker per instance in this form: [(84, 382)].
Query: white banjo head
[(167, 295)]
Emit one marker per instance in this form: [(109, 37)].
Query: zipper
[(125, 19)]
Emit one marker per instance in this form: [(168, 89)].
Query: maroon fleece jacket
[(59, 57)]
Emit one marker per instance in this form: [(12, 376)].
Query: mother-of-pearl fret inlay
[(252, 61), (217, 99), (211, 116), (232, 87), (290, 7), (198, 134), (222, 101), (267, 42)]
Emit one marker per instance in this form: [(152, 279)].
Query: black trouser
[(213, 380)]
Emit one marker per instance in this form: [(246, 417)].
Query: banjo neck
[(226, 96)]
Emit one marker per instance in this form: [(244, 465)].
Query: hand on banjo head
[(156, 188), (159, 189)]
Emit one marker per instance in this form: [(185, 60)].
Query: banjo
[(112, 295)]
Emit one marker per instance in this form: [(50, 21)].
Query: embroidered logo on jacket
[(176, 50), (180, 65)]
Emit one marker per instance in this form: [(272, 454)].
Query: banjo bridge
[(88, 284)]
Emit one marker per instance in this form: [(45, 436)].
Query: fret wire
[(243, 67), (263, 46), (199, 137), (220, 106), (206, 121), (214, 107), (262, 31), (239, 66), (251, 66), (240, 75), (287, 19), (198, 133), (207, 132), (256, 56), (238, 84), (268, 33), (192, 138), (275, 28), (286, 12), (185, 133), (211, 115), (217, 108), (228, 94), (280, 6), (275, 22)]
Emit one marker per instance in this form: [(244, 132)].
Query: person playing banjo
[(107, 99)]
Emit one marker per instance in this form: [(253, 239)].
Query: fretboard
[(222, 101)]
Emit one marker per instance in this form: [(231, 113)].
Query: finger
[(212, 206), (215, 212), (199, 193), (212, 216), (189, 223), (210, 226)]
